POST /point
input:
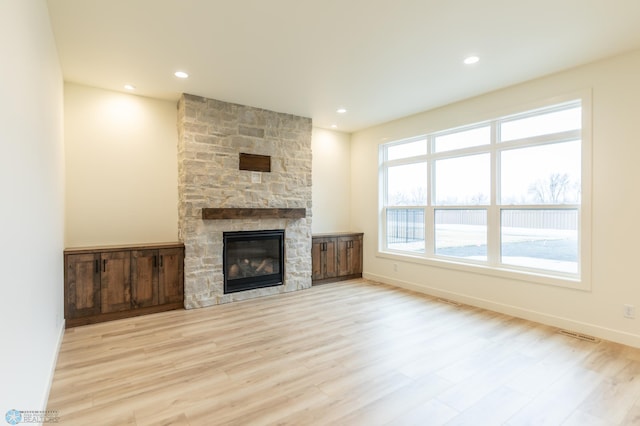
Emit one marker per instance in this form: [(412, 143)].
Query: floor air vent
[(579, 336), (449, 302)]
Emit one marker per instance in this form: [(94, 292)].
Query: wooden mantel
[(249, 213)]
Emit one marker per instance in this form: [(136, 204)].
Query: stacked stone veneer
[(212, 134)]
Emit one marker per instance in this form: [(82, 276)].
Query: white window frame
[(493, 267)]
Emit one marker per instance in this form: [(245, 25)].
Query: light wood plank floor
[(349, 353)]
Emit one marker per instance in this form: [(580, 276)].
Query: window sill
[(533, 277)]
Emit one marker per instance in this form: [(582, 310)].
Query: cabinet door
[(171, 275), (317, 253), (344, 255), (144, 278), (356, 255), (115, 281), (349, 255), (82, 291), (324, 263)]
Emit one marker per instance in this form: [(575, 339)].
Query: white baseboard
[(52, 368), (535, 316)]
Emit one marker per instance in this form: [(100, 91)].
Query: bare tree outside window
[(557, 188), (416, 197)]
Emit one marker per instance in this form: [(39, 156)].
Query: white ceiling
[(380, 59)]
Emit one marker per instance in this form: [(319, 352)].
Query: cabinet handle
[(104, 265), (97, 266), (161, 260)]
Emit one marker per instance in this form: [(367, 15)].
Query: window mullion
[(429, 225), (429, 231), (493, 212)]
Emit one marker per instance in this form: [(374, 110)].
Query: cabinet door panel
[(144, 278), (344, 255), (323, 258), (330, 260), (349, 255), (83, 285), (317, 253), (356, 256), (116, 281), (171, 275)]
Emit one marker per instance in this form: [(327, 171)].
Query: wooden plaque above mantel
[(255, 163), (250, 213)]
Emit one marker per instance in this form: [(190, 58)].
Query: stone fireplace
[(212, 134)]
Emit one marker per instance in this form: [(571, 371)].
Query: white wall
[(616, 207), (32, 213), (121, 168), (331, 176)]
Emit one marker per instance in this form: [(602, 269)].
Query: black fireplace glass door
[(253, 259)]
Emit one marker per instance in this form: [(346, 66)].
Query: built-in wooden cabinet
[(107, 283), (336, 257)]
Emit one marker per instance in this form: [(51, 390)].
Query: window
[(505, 194)]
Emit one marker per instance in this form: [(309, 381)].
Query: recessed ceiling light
[(341, 110), (181, 74), (334, 126), (469, 60), (129, 87)]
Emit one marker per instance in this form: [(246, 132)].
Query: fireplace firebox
[(253, 259)]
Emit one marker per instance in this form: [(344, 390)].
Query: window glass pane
[(464, 139), (463, 180), (407, 185), (544, 124), (405, 229), (541, 239), (461, 233), (408, 149), (545, 174)]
